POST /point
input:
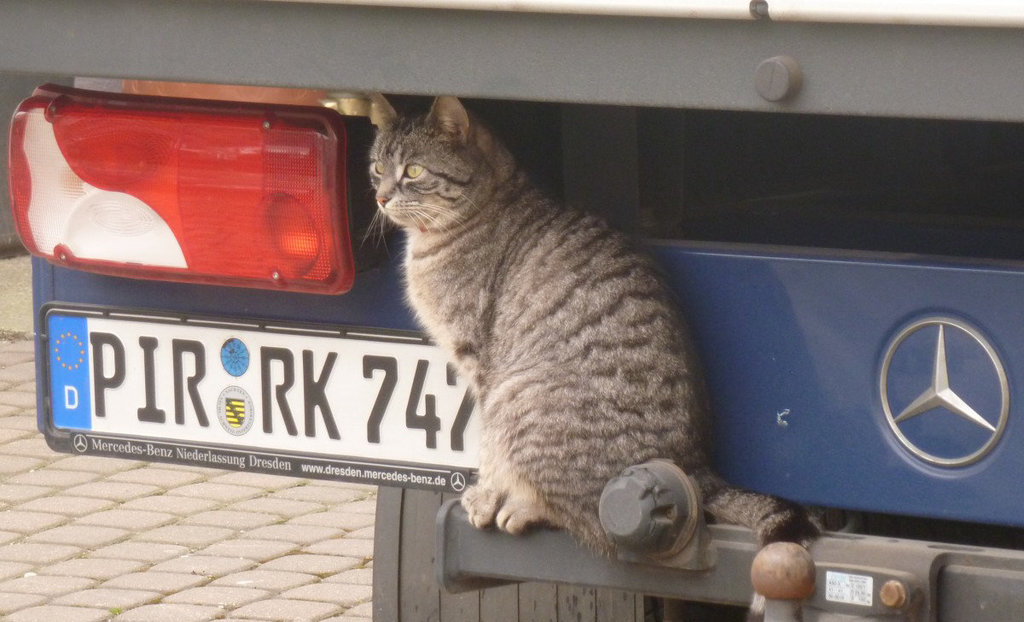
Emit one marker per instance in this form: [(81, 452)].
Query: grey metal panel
[(458, 607), (387, 529), (420, 598), (934, 72), (980, 594), (577, 603), (538, 602)]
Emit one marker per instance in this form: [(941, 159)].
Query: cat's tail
[(770, 518)]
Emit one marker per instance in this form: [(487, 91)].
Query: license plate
[(353, 404)]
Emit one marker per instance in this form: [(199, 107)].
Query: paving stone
[(10, 603), (364, 610), (280, 609), (156, 476), (257, 480), (218, 492), (342, 546), (55, 613), (100, 569), (7, 434), (55, 478), (97, 464), (115, 491), (70, 505), (320, 565), (193, 536), (7, 410), (232, 518), (324, 495), (105, 598), (346, 617), (6, 537), (340, 594), (169, 612), (134, 520), (18, 399), (140, 551), (282, 507), (366, 506), (45, 585), (207, 472), (335, 518), (37, 553), (84, 535), (217, 596), (355, 576), (367, 488), (256, 550), (205, 565), (366, 533), (19, 371), (300, 534), (14, 352), (27, 422), (10, 465), (266, 579), (26, 522), (20, 493), (34, 447), (163, 582), (10, 570), (170, 503)]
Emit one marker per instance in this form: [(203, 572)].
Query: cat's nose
[(382, 201)]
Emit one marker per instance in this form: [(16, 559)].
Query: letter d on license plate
[(366, 405)]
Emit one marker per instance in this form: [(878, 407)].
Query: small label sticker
[(852, 589)]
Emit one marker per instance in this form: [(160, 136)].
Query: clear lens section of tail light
[(186, 190)]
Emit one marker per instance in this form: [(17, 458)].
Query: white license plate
[(364, 405)]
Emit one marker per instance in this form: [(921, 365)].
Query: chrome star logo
[(947, 403)]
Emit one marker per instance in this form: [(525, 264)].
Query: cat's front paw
[(481, 504), (516, 516)]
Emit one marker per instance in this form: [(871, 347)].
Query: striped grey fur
[(579, 360)]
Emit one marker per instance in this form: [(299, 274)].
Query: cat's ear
[(382, 113), (449, 115)]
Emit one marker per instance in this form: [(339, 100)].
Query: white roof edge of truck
[(1001, 13)]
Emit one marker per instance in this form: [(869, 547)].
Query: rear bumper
[(942, 582)]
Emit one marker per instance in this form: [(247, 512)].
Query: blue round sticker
[(234, 356)]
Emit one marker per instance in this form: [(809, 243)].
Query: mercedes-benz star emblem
[(80, 443), (944, 392), (458, 481)]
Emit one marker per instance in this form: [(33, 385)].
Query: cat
[(579, 360)]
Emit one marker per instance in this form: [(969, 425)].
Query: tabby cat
[(578, 358)]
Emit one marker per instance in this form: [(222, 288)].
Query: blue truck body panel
[(794, 344)]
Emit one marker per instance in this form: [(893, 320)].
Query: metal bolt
[(893, 594), (778, 78), (275, 275), (266, 125), (759, 9)]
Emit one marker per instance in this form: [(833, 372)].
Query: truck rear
[(836, 194)]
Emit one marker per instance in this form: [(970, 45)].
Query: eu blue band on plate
[(70, 388)]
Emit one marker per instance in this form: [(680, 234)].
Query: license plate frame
[(152, 392)]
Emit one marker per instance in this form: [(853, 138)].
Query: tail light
[(187, 190)]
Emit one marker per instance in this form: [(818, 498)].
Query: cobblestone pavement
[(85, 539)]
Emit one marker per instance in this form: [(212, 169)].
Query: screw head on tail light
[(225, 193)]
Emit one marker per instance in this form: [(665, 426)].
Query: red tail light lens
[(187, 190)]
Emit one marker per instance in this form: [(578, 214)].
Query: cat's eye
[(413, 171), (378, 168)]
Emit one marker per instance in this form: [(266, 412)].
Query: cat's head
[(434, 171)]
